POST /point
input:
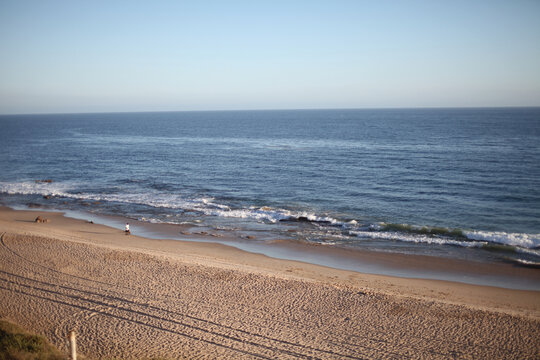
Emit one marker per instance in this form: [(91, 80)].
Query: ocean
[(455, 183)]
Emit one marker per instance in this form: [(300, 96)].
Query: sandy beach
[(134, 298)]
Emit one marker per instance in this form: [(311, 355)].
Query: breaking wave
[(208, 206)]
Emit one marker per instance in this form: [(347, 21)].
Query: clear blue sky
[(88, 56)]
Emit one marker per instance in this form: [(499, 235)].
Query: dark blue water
[(451, 182)]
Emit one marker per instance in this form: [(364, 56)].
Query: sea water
[(461, 183)]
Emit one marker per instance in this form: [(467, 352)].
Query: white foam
[(415, 238), (154, 199), (515, 239), (35, 188), (207, 206), (377, 227), (527, 262), (264, 213), (535, 252), (154, 221), (260, 215)]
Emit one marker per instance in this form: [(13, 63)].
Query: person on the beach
[(127, 229)]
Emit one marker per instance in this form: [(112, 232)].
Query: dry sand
[(135, 298)]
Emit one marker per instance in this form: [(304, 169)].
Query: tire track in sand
[(149, 315)]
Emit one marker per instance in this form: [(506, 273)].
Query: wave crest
[(527, 243)]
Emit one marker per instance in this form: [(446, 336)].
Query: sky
[(108, 56)]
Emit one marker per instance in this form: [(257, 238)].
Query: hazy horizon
[(291, 109), (70, 57)]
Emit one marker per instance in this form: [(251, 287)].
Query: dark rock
[(298, 219)]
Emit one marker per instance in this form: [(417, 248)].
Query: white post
[(73, 345)]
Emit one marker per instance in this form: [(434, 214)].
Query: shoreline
[(133, 297), (498, 274), (214, 251)]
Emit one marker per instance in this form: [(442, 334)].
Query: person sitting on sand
[(127, 229)]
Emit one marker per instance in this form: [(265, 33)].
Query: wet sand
[(478, 272), (132, 297)]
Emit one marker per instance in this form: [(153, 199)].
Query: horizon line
[(283, 109)]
